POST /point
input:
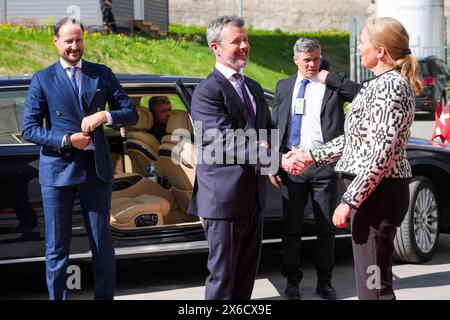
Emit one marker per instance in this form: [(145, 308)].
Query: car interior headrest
[(179, 120), (145, 121)]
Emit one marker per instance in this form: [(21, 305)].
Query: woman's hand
[(341, 215)]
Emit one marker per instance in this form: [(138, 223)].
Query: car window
[(424, 69), (174, 99), (269, 99), (440, 66), (11, 109)]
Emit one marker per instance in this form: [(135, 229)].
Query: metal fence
[(440, 51), (357, 72)]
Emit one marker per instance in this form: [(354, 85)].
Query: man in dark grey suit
[(229, 192), (308, 114)]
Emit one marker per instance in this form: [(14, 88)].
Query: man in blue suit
[(230, 193), (70, 96)]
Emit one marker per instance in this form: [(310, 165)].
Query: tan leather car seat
[(141, 211), (177, 159), (142, 146)]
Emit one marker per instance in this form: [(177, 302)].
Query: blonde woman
[(371, 154)]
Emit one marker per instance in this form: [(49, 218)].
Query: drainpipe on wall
[(3, 16)]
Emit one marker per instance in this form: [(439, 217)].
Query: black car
[(153, 185), (435, 77)]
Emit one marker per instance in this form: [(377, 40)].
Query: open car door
[(184, 93)]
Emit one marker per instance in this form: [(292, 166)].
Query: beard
[(236, 62), (68, 58)]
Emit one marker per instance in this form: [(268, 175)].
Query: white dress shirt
[(67, 67), (228, 73), (311, 128), (79, 65)]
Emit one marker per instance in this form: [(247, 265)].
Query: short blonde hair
[(392, 36)]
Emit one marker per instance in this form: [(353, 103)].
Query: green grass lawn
[(183, 52)]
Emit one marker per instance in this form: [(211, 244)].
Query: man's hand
[(275, 180), (341, 215), (93, 121), (80, 140), (322, 76), (291, 163), (296, 161)]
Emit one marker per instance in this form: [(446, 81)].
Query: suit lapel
[(260, 114), (64, 88), (232, 93), (287, 102), (89, 82), (327, 95)]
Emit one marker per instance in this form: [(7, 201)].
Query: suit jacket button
[(58, 113)]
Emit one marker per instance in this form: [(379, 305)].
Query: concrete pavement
[(428, 281)]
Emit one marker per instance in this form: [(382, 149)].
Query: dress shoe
[(292, 291), (326, 290)]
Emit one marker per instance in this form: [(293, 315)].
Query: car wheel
[(418, 235)]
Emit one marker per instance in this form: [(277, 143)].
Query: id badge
[(299, 106)]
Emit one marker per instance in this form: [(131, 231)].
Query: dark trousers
[(374, 225), (95, 198), (234, 251), (320, 184), (108, 18)]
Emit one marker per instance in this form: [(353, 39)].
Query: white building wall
[(41, 12), (287, 15)]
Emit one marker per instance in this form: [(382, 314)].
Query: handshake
[(296, 161)]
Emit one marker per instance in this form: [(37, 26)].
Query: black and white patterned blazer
[(377, 128)]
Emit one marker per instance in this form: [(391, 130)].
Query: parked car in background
[(436, 81), (153, 185)]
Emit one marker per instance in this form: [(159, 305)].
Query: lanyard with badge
[(299, 107)]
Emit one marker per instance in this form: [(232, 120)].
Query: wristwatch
[(67, 141)]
